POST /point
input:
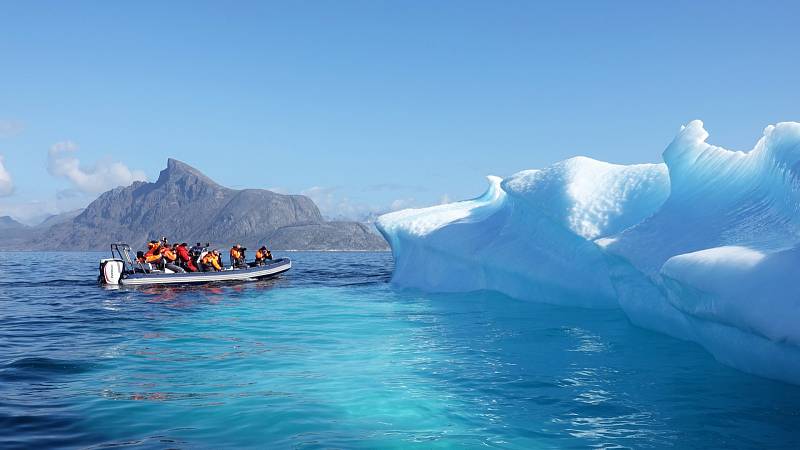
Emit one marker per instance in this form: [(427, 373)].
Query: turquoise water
[(330, 355)]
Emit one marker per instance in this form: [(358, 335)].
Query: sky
[(370, 106)]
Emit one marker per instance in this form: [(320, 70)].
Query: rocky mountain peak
[(186, 205), (178, 170)]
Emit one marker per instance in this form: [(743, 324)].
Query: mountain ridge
[(185, 204)]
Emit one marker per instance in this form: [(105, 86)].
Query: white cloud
[(329, 203), (400, 203), (32, 212), (102, 176), (9, 128), (6, 183), (333, 205)]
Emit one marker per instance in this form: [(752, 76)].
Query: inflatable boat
[(120, 269)]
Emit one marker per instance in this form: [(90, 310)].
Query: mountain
[(13, 233), (186, 205), (53, 219), (9, 224)]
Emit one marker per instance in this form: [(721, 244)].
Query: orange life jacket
[(262, 254), (169, 254), (235, 253), (212, 259), (153, 254), (152, 249)]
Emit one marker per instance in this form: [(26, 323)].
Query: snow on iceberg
[(529, 236), (705, 247)]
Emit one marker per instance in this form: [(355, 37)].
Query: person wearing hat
[(262, 255)]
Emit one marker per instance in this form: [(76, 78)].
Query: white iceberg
[(529, 236), (705, 247)]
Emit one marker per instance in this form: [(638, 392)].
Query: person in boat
[(243, 256), (263, 255), (152, 248), (170, 258), (211, 261), (202, 252), (178, 261), (196, 250), (153, 254), (144, 265), (237, 256), (184, 258)]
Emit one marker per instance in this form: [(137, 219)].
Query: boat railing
[(123, 251)]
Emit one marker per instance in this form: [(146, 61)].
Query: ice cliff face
[(705, 247)]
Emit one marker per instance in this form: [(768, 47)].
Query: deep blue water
[(330, 355)]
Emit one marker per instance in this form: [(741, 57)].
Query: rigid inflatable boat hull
[(268, 270)]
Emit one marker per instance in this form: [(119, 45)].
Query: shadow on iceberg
[(703, 247)]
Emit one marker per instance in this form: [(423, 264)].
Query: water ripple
[(330, 356)]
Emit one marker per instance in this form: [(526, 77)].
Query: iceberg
[(704, 246), (525, 235)]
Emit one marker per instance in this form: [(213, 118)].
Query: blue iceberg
[(704, 247)]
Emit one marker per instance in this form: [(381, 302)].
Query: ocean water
[(331, 356)]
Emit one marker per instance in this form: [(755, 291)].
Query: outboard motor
[(111, 270)]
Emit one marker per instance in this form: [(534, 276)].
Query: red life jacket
[(183, 254)]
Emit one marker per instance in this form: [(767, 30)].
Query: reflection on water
[(331, 356)]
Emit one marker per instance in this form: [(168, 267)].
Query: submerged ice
[(704, 247)]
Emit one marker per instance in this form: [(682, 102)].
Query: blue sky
[(373, 105)]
